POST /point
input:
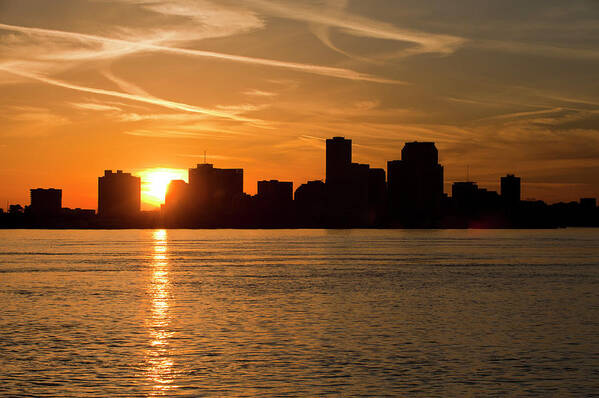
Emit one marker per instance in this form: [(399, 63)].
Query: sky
[(500, 86)]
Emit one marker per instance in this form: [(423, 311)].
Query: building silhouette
[(15, 209), (177, 203), (415, 186), (214, 194), (275, 192), (45, 202), (338, 184), (347, 186), (465, 197), (510, 190), (588, 204), (353, 195), (377, 197), (118, 195), (338, 160), (275, 203), (310, 204)]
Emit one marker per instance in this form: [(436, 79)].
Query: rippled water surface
[(299, 313)]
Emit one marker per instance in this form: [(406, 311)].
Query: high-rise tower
[(415, 185), (118, 194)]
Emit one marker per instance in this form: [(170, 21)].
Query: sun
[(155, 181)]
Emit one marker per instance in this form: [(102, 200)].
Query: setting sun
[(155, 181)]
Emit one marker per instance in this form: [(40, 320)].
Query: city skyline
[(498, 86), (408, 194), (153, 183)]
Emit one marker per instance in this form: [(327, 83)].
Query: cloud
[(200, 19), (31, 120), (521, 114), (95, 107), (118, 47), (537, 49), (125, 85), (11, 68), (166, 133), (242, 108), (36, 115), (259, 93), (358, 25)]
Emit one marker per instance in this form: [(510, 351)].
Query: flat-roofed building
[(119, 195), (46, 202)]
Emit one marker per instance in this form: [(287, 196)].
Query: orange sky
[(136, 85)]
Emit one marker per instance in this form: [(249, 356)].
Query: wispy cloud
[(127, 47), (538, 49), (125, 85), (521, 114), (11, 68), (90, 106), (336, 16), (31, 120), (166, 133), (259, 93), (201, 19)]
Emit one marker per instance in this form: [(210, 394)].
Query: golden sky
[(501, 86)]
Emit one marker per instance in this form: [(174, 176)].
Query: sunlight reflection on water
[(313, 313), (160, 364)]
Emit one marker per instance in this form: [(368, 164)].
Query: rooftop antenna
[(468, 173), (204, 157)]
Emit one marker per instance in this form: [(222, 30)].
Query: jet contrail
[(341, 73), (133, 97)]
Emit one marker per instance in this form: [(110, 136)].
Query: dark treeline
[(408, 195)]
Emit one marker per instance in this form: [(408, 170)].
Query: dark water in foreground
[(299, 313)]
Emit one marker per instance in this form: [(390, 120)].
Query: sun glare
[(155, 181)]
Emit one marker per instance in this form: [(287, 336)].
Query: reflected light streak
[(160, 365)]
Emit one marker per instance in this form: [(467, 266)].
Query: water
[(299, 313)]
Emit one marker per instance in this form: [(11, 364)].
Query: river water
[(299, 313)]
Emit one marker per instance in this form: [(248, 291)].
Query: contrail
[(133, 97), (341, 73)]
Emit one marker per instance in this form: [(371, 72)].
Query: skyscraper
[(275, 203), (377, 196), (275, 191), (46, 202), (118, 195), (465, 196), (214, 193), (415, 185), (310, 204), (338, 159), (176, 203), (510, 190)]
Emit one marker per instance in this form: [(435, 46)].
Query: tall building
[(275, 203), (465, 196), (347, 186), (275, 191), (415, 185), (310, 202), (510, 190), (176, 202), (357, 198), (46, 202), (338, 159), (118, 195), (214, 193), (377, 196)]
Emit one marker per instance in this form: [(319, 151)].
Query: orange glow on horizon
[(154, 183)]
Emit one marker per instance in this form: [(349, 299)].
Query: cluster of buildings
[(409, 194)]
